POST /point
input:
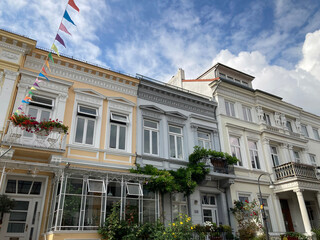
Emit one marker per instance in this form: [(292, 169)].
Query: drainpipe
[(4, 167)]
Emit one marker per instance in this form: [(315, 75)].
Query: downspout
[(4, 167)]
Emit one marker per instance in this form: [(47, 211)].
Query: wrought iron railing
[(293, 169), (17, 136)]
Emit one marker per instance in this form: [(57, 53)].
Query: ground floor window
[(209, 208), (84, 202), (179, 205)]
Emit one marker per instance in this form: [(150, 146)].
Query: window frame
[(267, 118), (316, 133), (304, 133), (274, 154), (289, 126), (203, 140), (255, 162), (151, 130), (230, 108), (234, 153), (118, 124), (313, 159), (297, 157), (247, 113), (176, 136)]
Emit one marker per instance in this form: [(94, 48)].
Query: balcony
[(218, 166), (296, 170), (18, 137)]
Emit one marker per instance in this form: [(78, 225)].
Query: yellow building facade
[(64, 185)]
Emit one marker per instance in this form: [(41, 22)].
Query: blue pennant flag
[(25, 102), (67, 17), (42, 75)]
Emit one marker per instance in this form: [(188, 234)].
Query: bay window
[(176, 142)]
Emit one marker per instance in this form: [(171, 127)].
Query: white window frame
[(304, 130), (43, 104), (204, 140), (267, 210), (247, 113), (176, 136), (103, 186), (267, 119), (289, 126), (313, 159), (254, 155), (297, 157), (244, 195), (181, 201), (230, 108), (273, 155), (118, 126), (140, 192), (86, 117), (234, 152), (316, 133), (151, 130)]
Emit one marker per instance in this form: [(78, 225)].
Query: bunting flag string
[(43, 73)]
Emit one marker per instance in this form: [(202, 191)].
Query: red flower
[(246, 201)]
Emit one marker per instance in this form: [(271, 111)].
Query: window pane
[(179, 147), (172, 147), (252, 145), (147, 141), (174, 129), (91, 111), (227, 108), (79, 130), (316, 134), (122, 138), (118, 117), (113, 136), (33, 112), (200, 143), (249, 114), (36, 188), (93, 211), (234, 141), (114, 189), (207, 145), (21, 205), (203, 135), (150, 124), (16, 227), (24, 186), (71, 210), (18, 216), (45, 115), (90, 132), (232, 110), (304, 130), (154, 143), (11, 186), (244, 114), (74, 186), (149, 211)]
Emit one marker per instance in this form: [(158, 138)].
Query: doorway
[(286, 215)]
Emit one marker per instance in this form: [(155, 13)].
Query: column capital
[(10, 75), (298, 191), (265, 140)]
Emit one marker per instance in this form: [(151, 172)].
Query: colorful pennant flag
[(20, 107), (41, 75), (31, 93), (72, 4), (54, 48), (47, 64), (44, 70), (64, 29), (50, 56), (25, 102), (67, 17), (26, 98), (33, 88), (60, 40), (38, 80), (35, 84)]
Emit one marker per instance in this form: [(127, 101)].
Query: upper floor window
[(150, 137), (289, 126), (245, 83), (266, 118), (313, 159), (244, 197), (316, 133), (235, 149), (118, 130), (274, 156), (247, 113), (204, 140), (86, 121), (175, 142), (304, 130), (296, 156), (230, 109), (254, 155)]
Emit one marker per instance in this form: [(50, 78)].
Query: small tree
[(247, 215), (6, 204)]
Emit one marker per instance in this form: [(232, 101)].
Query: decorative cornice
[(23, 50), (118, 85)]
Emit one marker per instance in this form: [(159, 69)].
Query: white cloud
[(299, 86)]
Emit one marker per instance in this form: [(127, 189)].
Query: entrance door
[(210, 214), (22, 221), (286, 215)]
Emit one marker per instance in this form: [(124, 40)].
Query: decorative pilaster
[(291, 154), (268, 160), (304, 212), (280, 227)]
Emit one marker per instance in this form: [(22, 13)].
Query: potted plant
[(293, 236), (6, 204), (23, 121)]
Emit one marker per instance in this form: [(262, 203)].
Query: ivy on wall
[(184, 179)]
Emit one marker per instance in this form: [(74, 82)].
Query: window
[(313, 159), (289, 126), (245, 83), (222, 74), (231, 78), (274, 156), (296, 156), (118, 131), (41, 101), (247, 113), (244, 197), (179, 205), (134, 189), (150, 137), (235, 149), (209, 208), (175, 141), (254, 155), (23, 187), (304, 130), (266, 118), (96, 186), (266, 210), (316, 133), (230, 108), (237, 80), (86, 121), (204, 140)]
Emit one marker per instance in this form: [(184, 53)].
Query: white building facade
[(270, 137)]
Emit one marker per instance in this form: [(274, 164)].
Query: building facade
[(270, 137)]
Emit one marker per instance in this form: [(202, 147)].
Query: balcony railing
[(293, 169), (218, 165), (16, 136)]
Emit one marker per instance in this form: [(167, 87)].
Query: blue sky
[(277, 41)]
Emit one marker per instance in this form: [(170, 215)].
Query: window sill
[(117, 152), (83, 147)]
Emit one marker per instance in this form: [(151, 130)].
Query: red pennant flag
[(64, 29), (44, 70), (72, 4)]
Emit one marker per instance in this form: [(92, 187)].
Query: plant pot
[(215, 238), (42, 133), (59, 130)]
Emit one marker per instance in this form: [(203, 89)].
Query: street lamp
[(264, 217)]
